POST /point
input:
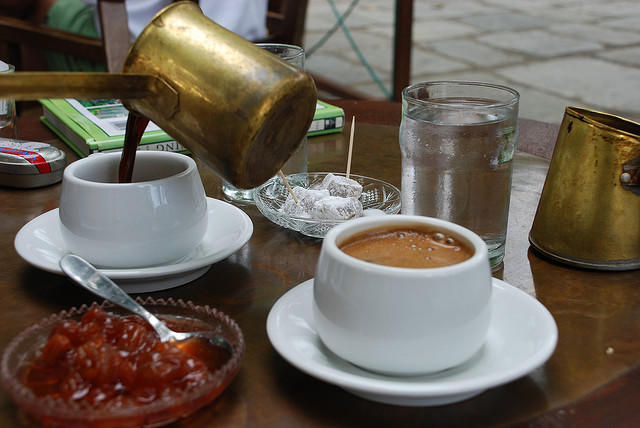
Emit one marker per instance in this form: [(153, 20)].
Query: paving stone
[(319, 20), (313, 37), (598, 34), (376, 50), (427, 31), (338, 69), (539, 43), (474, 52), (506, 21), (336, 43), (422, 62), (528, 5), (613, 8), (630, 56), (373, 90), (366, 41), (423, 31), (629, 23), (439, 9), (321, 16), (468, 75), (365, 14), (568, 14), (598, 83), (541, 105), (358, 19)]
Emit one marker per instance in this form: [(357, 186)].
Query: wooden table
[(592, 379)]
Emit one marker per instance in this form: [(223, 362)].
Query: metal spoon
[(95, 281)]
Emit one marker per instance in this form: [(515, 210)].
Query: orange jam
[(110, 361)]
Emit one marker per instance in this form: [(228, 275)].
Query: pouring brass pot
[(237, 107), (589, 210)]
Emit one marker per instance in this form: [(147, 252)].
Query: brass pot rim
[(606, 121)]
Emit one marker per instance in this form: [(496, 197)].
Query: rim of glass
[(461, 83), (293, 50)]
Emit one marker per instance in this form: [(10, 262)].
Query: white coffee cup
[(158, 218), (402, 321)]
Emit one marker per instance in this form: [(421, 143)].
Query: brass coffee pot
[(239, 108), (589, 210)]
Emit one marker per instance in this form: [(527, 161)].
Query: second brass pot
[(589, 210)]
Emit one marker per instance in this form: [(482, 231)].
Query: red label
[(32, 157)]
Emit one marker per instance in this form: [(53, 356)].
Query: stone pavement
[(556, 53)]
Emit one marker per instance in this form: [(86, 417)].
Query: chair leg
[(402, 47)]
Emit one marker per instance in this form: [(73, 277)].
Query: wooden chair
[(285, 21), (17, 35)]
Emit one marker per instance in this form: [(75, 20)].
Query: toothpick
[(286, 183), (353, 128)]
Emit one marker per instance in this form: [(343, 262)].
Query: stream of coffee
[(136, 125)]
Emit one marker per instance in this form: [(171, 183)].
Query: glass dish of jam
[(99, 366)]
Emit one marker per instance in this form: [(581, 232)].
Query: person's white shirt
[(247, 18)]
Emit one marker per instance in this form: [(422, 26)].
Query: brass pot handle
[(35, 85), (630, 177)]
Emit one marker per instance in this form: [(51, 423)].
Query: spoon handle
[(95, 281)]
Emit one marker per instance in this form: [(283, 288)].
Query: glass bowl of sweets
[(324, 200), (99, 365)]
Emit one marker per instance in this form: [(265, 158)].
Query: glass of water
[(8, 128), (457, 141), (297, 163)]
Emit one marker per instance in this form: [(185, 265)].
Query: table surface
[(592, 379)]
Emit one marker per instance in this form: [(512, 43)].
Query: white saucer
[(40, 243), (522, 336)]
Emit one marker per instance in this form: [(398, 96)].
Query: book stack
[(93, 126)]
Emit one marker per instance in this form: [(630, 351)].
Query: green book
[(327, 119), (92, 126)]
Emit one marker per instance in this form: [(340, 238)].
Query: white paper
[(110, 117)]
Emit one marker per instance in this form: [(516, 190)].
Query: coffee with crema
[(406, 247)]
